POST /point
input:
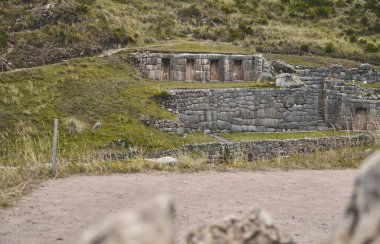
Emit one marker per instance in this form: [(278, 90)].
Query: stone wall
[(151, 66), (265, 149), (246, 110), (364, 73), (342, 102)]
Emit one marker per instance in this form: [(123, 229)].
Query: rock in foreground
[(360, 222), (153, 223), (256, 228)]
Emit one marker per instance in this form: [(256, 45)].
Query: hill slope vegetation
[(37, 32)]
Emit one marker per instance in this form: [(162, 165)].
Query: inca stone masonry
[(305, 100)]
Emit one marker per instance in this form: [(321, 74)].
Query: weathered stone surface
[(266, 149), (257, 227), (280, 66), (287, 80), (265, 76), (252, 65), (365, 66), (163, 160), (364, 73), (153, 223), (361, 219)]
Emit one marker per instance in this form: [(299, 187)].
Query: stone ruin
[(154, 223), (304, 99), (203, 67)]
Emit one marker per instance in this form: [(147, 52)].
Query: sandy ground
[(304, 203)]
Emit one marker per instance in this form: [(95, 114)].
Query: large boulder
[(256, 228), (287, 80), (265, 76), (152, 223), (280, 66), (360, 222)]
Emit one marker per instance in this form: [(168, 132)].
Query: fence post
[(54, 148)]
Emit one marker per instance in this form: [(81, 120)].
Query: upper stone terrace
[(202, 67)]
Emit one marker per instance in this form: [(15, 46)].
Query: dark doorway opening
[(214, 70), (238, 70), (190, 63), (166, 69), (360, 119)]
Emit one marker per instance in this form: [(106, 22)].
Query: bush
[(305, 48), (364, 21), (375, 27), (3, 39), (162, 96), (243, 27), (191, 12), (371, 48), (120, 36), (73, 125), (228, 9), (329, 47)]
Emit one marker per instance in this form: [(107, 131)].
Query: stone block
[(236, 128)]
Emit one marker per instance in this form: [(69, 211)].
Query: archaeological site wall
[(365, 73), (265, 149), (313, 99), (351, 107), (246, 110), (202, 67)]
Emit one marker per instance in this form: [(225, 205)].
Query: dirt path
[(304, 203)]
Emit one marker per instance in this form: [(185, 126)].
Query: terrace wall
[(202, 67)]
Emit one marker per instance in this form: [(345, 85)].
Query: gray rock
[(266, 76), (97, 125), (286, 80), (256, 227), (280, 66), (365, 66), (146, 120), (163, 160), (361, 219), (153, 223)]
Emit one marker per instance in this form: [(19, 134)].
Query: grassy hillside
[(39, 32), (83, 91)]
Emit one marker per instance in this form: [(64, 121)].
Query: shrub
[(3, 39), (243, 27), (228, 9), (234, 34), (120, 36), (364, 21), (162, 97), (73, 125), (191, 12), (371, 48), (322, 12), (305, 48), (375, 27), (329, 47)]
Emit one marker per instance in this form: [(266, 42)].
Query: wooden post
[(54, 148)]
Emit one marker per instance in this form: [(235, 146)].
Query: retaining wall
[(246, 110), (265, 149), (343, 101), (364, 73), (151, 66)]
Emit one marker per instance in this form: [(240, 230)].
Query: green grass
[(334, 28), (239, 136), (313, 61), (90, 90), (19, 180), (330, 159), (368, 85), (201, 47)]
